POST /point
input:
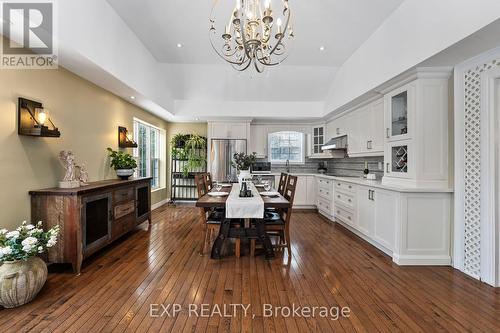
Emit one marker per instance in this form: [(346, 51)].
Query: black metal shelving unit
[(183, 187)]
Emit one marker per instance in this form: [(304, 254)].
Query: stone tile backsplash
[(355, 166), (339, 167)]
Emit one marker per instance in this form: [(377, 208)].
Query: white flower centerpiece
[(22, 273)]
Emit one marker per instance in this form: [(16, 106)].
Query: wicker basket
[(20, 281)]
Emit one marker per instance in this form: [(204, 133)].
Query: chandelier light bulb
[(279, 23)]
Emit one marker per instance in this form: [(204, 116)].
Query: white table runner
[(244, 208)]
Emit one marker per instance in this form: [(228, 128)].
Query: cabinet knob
[(350, 200)]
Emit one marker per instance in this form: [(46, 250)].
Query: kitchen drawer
[(124, 209), (325, 183), (346, 187), (325, 205), (345, 199), (123, 195), (326, 194), (345, 215)]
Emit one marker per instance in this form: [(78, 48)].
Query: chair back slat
[(290, 188), (208, 181), (282, 183), (200, 180)]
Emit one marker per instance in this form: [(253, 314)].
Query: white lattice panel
[(472, 213)]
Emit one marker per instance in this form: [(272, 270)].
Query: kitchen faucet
[(287, 164)]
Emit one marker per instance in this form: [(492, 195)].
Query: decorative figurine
[(68, 160), (83, 174)]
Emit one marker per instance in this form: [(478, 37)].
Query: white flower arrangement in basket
[(26, 241), (22, 272)]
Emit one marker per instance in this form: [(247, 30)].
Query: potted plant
[(22, 273), (242, 162), (179, 140), (196, 147), (123, 163), (190, 151)]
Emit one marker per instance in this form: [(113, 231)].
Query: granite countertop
[(371, 183)]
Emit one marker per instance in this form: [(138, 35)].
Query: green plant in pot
[(242, 162), (123, 163), (23, 273)]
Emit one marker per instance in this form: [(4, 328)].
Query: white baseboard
[(159, 204), (304, 207), (421, 260)]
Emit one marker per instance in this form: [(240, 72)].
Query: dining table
[(255, 230)]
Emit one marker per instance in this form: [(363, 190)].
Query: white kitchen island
[(412, 225)]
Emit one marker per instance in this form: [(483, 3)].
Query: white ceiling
[(339, 25), (131, 49), (198, 74)]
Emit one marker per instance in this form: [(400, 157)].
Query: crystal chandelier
[(254, 36)]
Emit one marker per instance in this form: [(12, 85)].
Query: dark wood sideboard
[(92, 216)]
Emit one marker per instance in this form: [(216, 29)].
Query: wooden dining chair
[(280, 226), (211, 219)]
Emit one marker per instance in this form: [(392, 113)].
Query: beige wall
[(184, 128), (88, 118)]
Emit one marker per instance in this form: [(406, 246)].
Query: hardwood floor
[(330, 267)]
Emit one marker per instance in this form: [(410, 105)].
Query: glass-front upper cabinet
[(318, 139), (399, 108), (399, 116)]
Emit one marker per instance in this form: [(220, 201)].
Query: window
[(285, 146), (150, 149)]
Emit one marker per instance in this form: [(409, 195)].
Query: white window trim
[(162, 152), (279, 162)]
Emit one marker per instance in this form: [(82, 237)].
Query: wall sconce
[(124, 138), (34, 120)]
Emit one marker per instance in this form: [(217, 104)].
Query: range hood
[(338, 143)]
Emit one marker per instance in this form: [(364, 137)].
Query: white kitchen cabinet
[(258, 140), (345, 202), (417, 142), (386, 212), (318, 139), (337, 127), (311, 190), (399, 111), (366, 130), (377, 129), (229, 130), (301, 192), (366, 211), (324, 196), (413, 228), (377, 213)]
